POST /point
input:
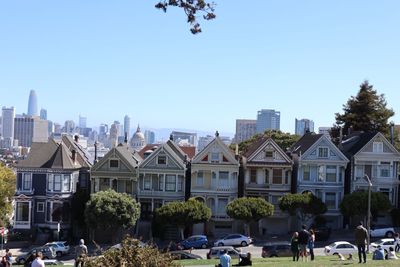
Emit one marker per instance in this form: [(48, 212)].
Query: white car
[(382, 231), (342, 247), (234, 240), (60, 247), (385, 243)]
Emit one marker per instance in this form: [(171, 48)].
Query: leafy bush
[(131, 255)]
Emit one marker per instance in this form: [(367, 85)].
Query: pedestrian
[(361, 236), (38, 262), (225, 259), (304, 236), (397, 242), (81, 252), (311, 242), (9, 258), (294, 246)]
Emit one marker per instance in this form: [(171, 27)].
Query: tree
[(283, 140), (183, 214), (7, 190), (191, 9), (111, 210), (356, 203), (249, 210), (306, 205), (366, 112)]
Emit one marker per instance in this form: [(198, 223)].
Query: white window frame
[(162, 157), (267, 152), (377, 147), (336, 198), (60, 182), (146, 179), (26, 179), (170, 185), (330, 167), (309, 173), (388, 168), (214, 157), (200, 178), (321, 152), (16, 211), (40, 204), (112, 167), (66, 183)]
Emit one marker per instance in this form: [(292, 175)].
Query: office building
[(69, 127), (304, 125), (324, 130), (184, 137), (7, 129), (82, 122), (32, 104), (43, 114), (268, 119), (149, 137), (245, 129), (30, 129), (127, 126)]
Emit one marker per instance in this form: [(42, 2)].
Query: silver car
[(216, 252), (234, 240)]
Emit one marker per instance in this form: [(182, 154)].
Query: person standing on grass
[(311, 242), (38, 262), (294, 246), (81, 252), (361, 236), (304, 236)]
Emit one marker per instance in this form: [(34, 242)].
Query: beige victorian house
[(215, 181)]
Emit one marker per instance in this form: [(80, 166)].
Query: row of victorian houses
[(54, 171)]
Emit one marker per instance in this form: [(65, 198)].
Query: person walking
[(225, 259), (81, 252), (361, 236), (311, 242), (38, 262), (304, 236), (294, 246)]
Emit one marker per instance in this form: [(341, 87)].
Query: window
[(40, 207), (306, 173), (161, 182), (359, 171), (223, 180), (277, 176), (162, 160), (287, 177), (56, 212), (214, 157), (26, 181), (57, 182), (269, 154), (147, 182), (128, 187), (275, 200), (321, 173), (222, 203), (377, 147), (200, 178), (330, 200), (180, 183), (104, 184), (253, 176), (114, 163), (331, 173), (266, 180), (170, 182), (322, 152), (22, 212), (67, 183), (385, 169)]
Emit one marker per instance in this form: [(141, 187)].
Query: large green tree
[(7, 190), (356, 204), (192, 9), (183, 213), (111, 210), (306, 205), (366, 111), (249, 210), (282, 139)]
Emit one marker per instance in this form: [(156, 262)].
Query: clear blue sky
[(104, 59)]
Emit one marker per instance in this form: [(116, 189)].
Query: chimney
[(171, 137), (216, 133), (95, 152), (237, 150), (73, 156), (76, 137)]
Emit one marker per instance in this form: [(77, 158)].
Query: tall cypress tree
[(366, 111)]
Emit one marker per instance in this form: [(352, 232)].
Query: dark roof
[(129, 154), (354, 142), (190, 151), (305, 142), (254, 146)]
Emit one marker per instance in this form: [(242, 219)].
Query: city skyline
[(303, 60)]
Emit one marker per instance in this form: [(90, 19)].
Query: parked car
[(216, 252), (382, 231), (276, 249), (342, 247), (52, 262), (234, 240), (61, 247), (48, 253), (385, 243), (322, 233), (184, 255), (119, 246), (195, 241)]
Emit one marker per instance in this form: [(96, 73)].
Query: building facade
[(32, 104), (30, 129), (304, 125), (245, 129), (7, 129), (268, 119)]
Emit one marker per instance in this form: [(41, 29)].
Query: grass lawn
[(319, 261)]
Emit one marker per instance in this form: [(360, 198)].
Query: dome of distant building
[(138, 141)]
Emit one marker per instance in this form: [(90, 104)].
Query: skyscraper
[(127, 126), (303, 125), (32, 104), (30, 129), (43, 114), (268, 119), (82, 122), (69, 126), (245, 129), (7, 130), (150, 137)]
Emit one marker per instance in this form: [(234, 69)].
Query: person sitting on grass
[(341, 257), (392, 255), (379, 254), (244, 260)]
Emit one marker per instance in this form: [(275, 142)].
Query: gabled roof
[(227, 151), (61, 159), (304, 143), (260, 144), (355, 142), (172, 149), (190, 151), (83, 157), (148, 147)]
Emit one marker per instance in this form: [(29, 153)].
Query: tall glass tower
[(32, 104)]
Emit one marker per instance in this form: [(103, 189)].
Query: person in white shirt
[(392, 255), (38, 262)]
